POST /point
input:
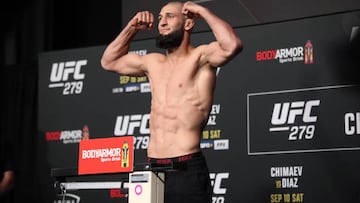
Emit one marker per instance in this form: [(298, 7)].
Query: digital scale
[(146, 187)]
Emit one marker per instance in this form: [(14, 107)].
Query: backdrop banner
[(284, 125)]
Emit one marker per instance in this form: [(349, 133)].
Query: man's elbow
[(233, 48), (105, 64), (237, 46)]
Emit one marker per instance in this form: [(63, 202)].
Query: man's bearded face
[(171, 40)]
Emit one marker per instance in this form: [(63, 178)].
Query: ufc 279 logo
[(129, 124), (287, 116), (68, 76)]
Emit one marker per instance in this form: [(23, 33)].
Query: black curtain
[(18, 128)]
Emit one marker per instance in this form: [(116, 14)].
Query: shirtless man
[(182, 84)]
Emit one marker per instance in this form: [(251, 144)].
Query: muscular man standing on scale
[(182, 85)]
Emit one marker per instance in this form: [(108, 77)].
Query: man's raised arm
[(227, 43), (116, 57)]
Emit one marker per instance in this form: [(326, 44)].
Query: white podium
[(146, 187)]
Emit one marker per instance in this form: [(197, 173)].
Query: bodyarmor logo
[(61, 74), (285, 115), (293, 54), (126, 125), (66, 136)]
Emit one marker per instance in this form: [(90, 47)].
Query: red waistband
[(174, 159)]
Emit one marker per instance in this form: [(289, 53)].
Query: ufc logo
[(286, 113), (63, 70), (126, 125), (216, 180)]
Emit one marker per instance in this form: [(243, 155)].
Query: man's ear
[(189, 24)]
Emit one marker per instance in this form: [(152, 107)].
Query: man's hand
[(143, 20), (191, 9)]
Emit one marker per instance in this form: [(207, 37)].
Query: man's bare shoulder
[(154, 56)]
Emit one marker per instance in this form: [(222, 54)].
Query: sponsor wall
[(246, 12), (284, 125)]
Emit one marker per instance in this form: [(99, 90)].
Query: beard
[(171, 40)]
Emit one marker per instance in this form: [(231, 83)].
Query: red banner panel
[(106, 155)]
